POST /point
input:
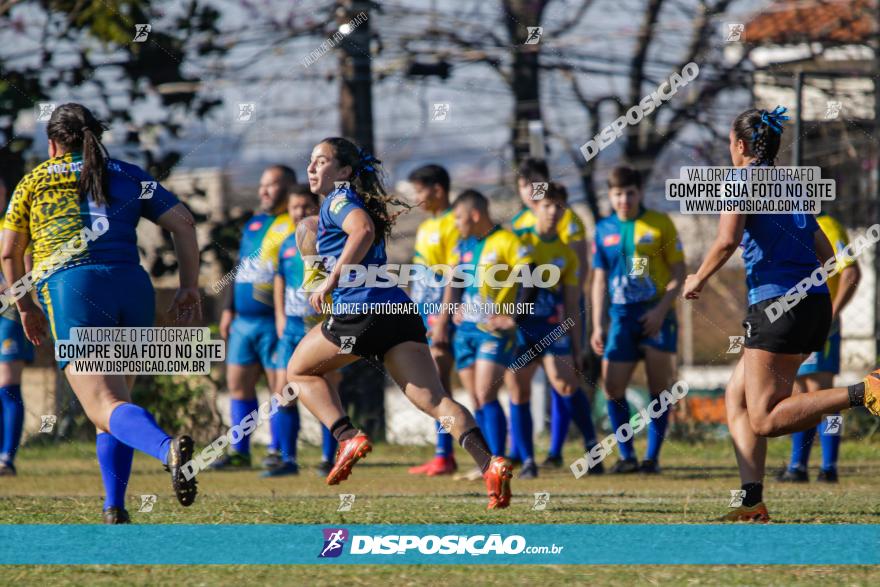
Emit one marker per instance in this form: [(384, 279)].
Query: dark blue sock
[(13, 419), (114, 459), (618, 413), (514, 434), (801, 443), (480, 417), (656, 434), (444, 442), (275, 432), (522, 427), (578, 405), (560, 421), (328, 445), (238, 410), (830, 447), (288, 431), (136, 427), (496, 427)]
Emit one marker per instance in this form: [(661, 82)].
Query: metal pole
[(798, 146)]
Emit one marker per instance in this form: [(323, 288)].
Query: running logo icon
[(833, 425), (539, 190), (346, 500), (734, 32), (736, 344), (535, 33), (346, 344), (148, 188), (446, 423), (342, 185), (47, 423), (246, 111), (541, 500), (44, 111), (832, 110), (141, 32), (439, 112), (736, 497), (334, 540), (639, 264), (147, 503)]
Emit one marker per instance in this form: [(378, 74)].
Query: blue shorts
[(294, 331), (530, 336), (13, 345), (825, 361), (252, 339), (100, 295), (470, 343), (625, 338)]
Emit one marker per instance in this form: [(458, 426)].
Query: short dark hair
[(557, 192), (474, 199), (431, 175), (532, 169), (302, 189), (288, 175), (623, 176)]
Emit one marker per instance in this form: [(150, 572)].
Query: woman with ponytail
[(779, 252), (368, 321), (79, 211)]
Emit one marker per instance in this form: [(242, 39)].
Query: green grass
[(61, 484)]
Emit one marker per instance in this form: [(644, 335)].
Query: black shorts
[(372, 335), (802, 329)]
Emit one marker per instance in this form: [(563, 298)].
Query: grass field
[(61, 484)]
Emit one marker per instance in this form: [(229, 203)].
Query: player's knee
[(562, 386), (762, 425)]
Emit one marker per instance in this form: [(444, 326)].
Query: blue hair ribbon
[(366, 162), (772, 120)]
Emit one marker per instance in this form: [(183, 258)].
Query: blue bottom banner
[(442, 544)]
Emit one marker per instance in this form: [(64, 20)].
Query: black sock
[(473, 442), (754, 494), (856, 394), (343, 430)]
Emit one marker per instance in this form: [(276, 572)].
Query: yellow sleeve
[(836, 234), (518, 252), (571, 228), (449, 238), (571, 269), (18, 215), (672, 249)]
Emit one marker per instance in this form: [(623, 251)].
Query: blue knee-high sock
[(801, 443), (114, 459), (578, 405), (288, 431), (830, 447), (560, 420), (496, 427), (480, 417), (275, 431), (238, 409), (522, 427), (444, 442), (514, 434), (656, 434), (13, 419), (618, 413), (135, 426), (328, 445)]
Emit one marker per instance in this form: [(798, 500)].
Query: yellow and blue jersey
[(436, 239), (550, 301), (836, 234), (570, 227), (48, 207), (778, 252), (292, 269), (258, 262), (637, 256), (498, 247)]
